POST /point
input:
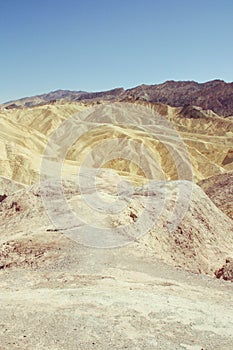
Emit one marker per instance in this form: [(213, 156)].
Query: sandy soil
[(112, 299)]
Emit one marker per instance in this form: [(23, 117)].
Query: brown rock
[(226, 272)]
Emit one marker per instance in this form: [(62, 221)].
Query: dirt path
[(112, 300)]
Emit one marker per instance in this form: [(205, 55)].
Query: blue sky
[(101, 44)]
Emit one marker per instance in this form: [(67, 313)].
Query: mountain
[(64, 95), (215, 95), (128, 182), (24, 134)]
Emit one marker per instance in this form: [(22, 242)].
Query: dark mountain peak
[(215, 95)]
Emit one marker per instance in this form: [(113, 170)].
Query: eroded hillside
[(24, 134)]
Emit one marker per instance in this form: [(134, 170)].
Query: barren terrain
[(126, 255)]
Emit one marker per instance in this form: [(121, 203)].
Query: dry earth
[(111, 299), (159, 290), (58, 294)]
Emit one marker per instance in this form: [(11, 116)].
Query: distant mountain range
[(215, 95)]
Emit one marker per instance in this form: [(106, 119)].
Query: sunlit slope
[(23, 137), (24, 134)]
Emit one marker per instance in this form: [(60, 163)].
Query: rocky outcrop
[(226, 272)]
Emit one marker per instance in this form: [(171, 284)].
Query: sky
[(95, 45)]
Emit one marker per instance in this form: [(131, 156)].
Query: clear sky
[(101, 44)]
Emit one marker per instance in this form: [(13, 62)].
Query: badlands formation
[(124, 252)]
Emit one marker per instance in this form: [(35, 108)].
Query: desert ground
[(136, 251)]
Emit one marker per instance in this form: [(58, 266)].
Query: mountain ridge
[(215, 95)]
